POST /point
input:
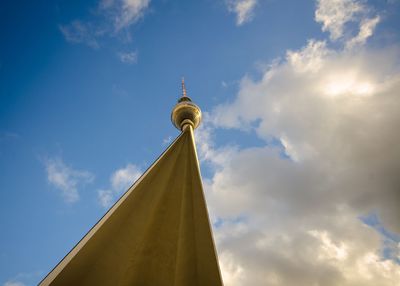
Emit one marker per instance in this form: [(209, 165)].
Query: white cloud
[(79, 32), (66, 179), (205, 145), (310, 58), (13, 283), (167, 141), (123, 178), (335, 15), (120, 181), (130, 11), (128, 57), (111, 18), (367, 28), (244, 10), (296, 221), (24, 278), (105, 197)]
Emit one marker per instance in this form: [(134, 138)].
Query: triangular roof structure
[(158, 233)]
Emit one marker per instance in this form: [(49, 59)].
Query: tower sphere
[(186, 112)]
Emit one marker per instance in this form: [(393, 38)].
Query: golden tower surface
[(158, 233)]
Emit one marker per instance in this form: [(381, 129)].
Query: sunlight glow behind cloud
[(347, 84)]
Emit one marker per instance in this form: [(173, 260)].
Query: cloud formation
[(289, 212), (336, 15), (66, 179), (13, 283), (24, 278), (120, 181), (82, 33), (129, 12), (244, 10), (111, 18), (128, 57)]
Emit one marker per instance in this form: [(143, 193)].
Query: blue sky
[(300, 102)]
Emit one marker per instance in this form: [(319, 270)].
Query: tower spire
[(183, 88)]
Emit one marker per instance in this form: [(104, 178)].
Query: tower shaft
[(157, 234)]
